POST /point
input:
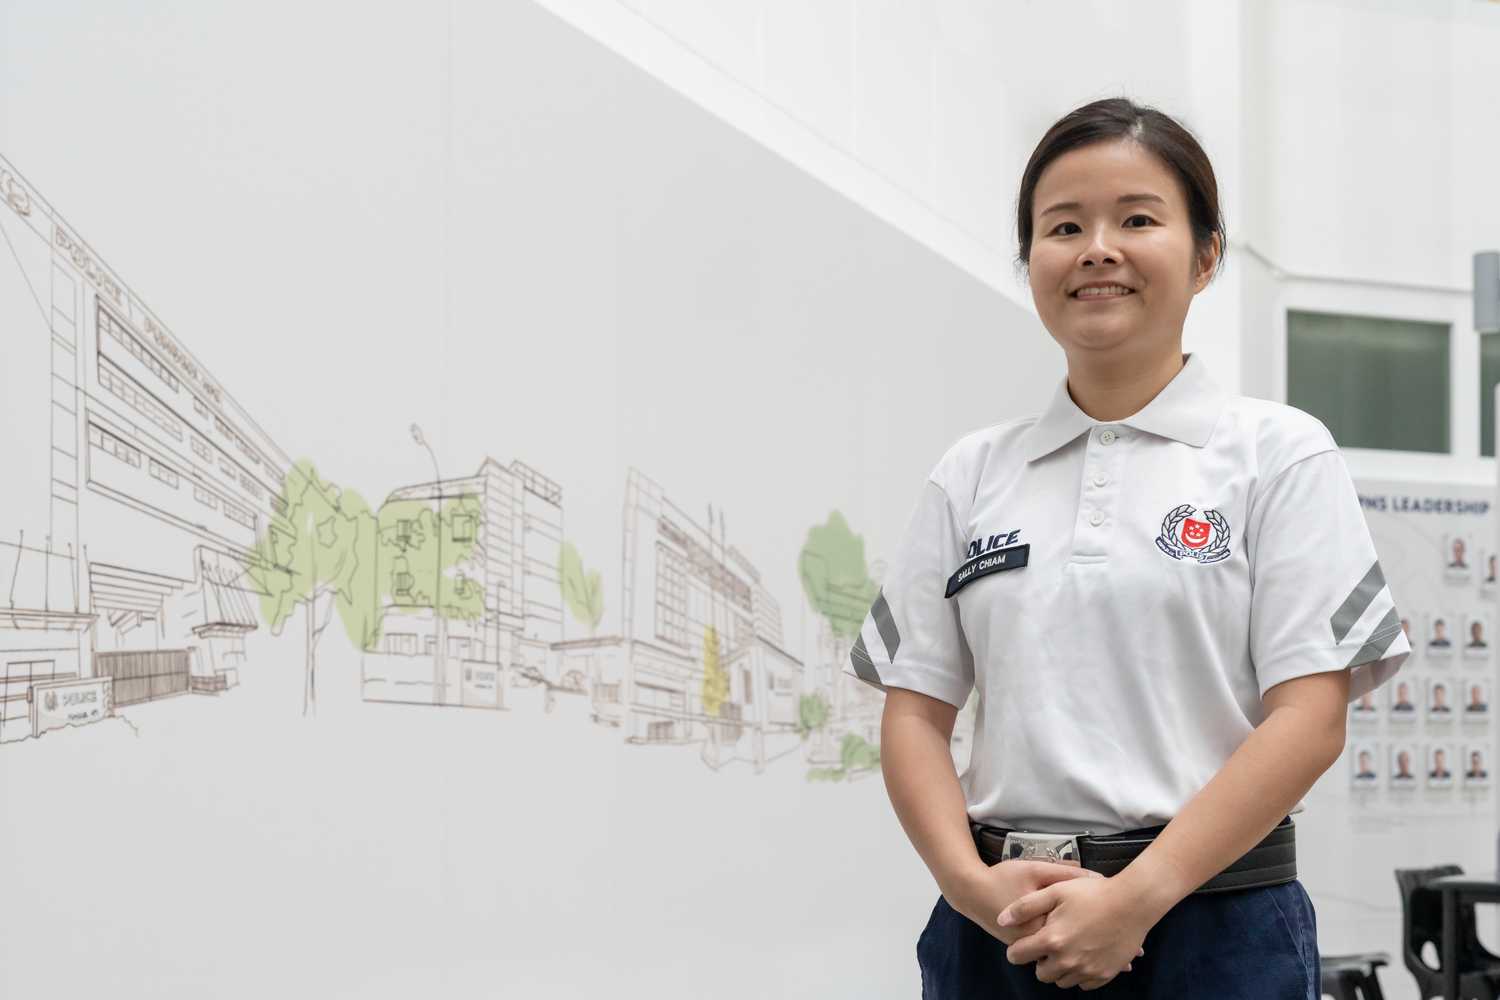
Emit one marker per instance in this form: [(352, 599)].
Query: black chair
[(1352, 977), (1422, 923)]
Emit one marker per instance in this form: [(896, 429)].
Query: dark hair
[(1121, 118)]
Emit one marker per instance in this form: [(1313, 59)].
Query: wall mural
[(453, 591)]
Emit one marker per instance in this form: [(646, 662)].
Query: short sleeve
[(911, 638), (1319, 599)]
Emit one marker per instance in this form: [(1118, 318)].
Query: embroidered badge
[(1186, 537), (1015, 557)]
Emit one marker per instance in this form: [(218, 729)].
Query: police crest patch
[(1186, 537)]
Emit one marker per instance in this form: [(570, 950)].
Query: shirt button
[(1107, 437), (1096, 518), (1101, 480)]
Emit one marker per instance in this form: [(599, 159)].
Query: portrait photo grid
[(1425, 738)]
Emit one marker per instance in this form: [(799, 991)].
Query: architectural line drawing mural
[(134, 498), (699, 657), (171, 526)]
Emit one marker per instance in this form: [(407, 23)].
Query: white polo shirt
[(1122, 595)]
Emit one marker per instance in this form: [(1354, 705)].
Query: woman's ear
[(1206, 261)]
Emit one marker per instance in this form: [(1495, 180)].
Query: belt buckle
[(1058, 848)]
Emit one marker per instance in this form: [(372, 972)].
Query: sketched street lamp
[(440, 637)]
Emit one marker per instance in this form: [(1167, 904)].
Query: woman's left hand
[(1092, 932)]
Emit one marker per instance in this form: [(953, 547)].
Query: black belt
[(1273, 861)]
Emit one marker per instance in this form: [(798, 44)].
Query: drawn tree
[(319, 553), (418, 569), (414, 572), (856, 756), (715, 689), (835, 577), (812, 713), (836, 580), (582, 591)]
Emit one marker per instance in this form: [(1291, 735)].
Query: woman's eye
[(1132, 218)]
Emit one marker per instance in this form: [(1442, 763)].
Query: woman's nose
[(1099, 251)]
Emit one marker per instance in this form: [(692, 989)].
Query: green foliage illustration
[(319, 553), (582, 591), (835, 577), (418, 568), (327, 551), (856, 755), (812, 713)]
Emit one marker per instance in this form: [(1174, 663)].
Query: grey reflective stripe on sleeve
[(1358, 600), (881, 612), (1380, 640), (863, 666)]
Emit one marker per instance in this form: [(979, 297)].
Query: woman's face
[(1145, 245)]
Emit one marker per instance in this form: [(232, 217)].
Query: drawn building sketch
[(703, 659), (510, 532), (149, 524), (699, 658), (134, 487)]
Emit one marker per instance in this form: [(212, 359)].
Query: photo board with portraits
[(1422, 743)]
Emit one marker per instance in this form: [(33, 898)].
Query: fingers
[(1010, 935), (1030, 949), (1048, 873), (1094, 984), (1047, 965), (1080, 980), (1029, 907), (1044, 873)]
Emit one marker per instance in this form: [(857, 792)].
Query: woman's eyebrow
[(1124, 199)]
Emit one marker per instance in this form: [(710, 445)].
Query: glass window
[(1489, 374), (1375, 382)]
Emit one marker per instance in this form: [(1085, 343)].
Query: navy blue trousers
[(1250, 944)]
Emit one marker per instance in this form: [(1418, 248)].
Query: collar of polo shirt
[(1185, 410)]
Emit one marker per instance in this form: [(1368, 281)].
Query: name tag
[(991, 562)]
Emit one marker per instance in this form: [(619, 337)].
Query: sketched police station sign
[(57, 704)]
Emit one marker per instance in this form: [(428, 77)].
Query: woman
[(1164, 595)]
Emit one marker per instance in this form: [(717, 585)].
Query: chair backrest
[(1422, 918)]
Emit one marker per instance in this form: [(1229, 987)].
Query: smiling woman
[(1130, 232), (1165, 595)]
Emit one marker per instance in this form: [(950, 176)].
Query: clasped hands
[(1078, 926)]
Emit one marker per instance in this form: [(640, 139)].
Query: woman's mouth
[(1102, 292)]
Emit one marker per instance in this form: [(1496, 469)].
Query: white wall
[(1347, 138), (1379, 183), (511, 236), (467, 222), (1354, 143), (924, 113)]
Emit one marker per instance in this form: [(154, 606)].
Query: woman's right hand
[(998, 885)]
